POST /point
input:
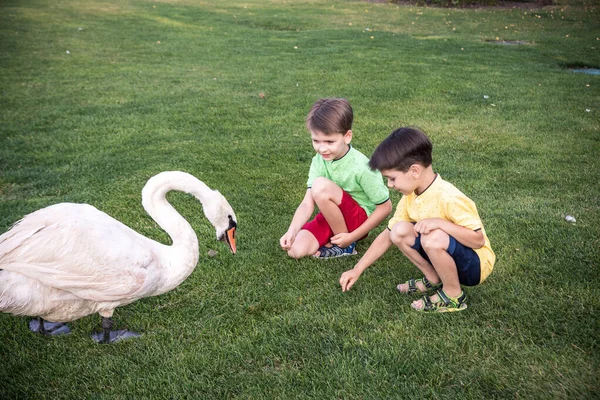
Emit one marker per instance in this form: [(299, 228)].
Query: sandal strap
[(412, 285), (456, 303), (443, 297), (426, 283), (444, 302), (461, 299), (427, 303)]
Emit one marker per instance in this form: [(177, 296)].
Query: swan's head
[(221, 215)]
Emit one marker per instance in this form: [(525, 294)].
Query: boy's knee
[(435, 240), (402, 233), (297, 251), (295, 254), (321, 188)]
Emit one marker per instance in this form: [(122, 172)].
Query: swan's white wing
[(75, 247)]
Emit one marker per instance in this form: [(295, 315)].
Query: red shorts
[(354, 216)]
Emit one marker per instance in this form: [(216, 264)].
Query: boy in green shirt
[(435, 225), (351, 197)]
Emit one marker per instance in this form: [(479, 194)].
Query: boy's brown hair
[(401, 149), (330, 116)]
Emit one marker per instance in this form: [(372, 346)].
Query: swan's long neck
[(183, 254)]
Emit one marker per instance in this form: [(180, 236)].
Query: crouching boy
[(435, 226), (351, 197)]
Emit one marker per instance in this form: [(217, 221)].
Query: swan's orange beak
[(230, 237)]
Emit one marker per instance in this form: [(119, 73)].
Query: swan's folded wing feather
[(89, 287), (19, 233), (92, 256)]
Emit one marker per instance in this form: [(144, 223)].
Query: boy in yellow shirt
[(435, 225)]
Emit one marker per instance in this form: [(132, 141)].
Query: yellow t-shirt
[(443, 200)]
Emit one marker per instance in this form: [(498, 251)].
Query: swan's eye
[(232, 223)]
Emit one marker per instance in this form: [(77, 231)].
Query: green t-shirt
[(352, 173)]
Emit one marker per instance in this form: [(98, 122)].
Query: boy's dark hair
[(330, 116), (401, 149)]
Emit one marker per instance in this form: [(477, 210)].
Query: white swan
[(66, 261)]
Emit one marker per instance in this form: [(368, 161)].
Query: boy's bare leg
[(435, 244), (304, 245), (328, 197), (403, 236)]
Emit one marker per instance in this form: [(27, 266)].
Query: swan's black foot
[(48, 328), (113, 336), (108, 336)]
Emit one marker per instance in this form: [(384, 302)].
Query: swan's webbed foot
[(113, 336), (108, 336), (48, 328)]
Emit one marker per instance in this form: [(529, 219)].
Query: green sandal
[(445, 303), (412, 285)]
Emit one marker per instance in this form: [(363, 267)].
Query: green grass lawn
[(148, 86)]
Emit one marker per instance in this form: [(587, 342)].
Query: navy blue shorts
[(466, 260)]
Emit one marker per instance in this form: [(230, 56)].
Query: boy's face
[(331, 147), (404, 182)]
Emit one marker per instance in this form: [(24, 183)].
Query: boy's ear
[(415, 170), (348, 136)]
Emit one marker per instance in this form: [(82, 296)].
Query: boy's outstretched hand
[(348, 279)]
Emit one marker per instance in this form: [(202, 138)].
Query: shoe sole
[(442, 309)]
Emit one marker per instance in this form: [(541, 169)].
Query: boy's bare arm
[(381, 212), (376, 250), (466, 236), (302, 214)]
